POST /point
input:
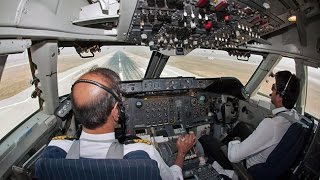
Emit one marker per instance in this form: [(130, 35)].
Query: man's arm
[(184, 144), (259, 140)]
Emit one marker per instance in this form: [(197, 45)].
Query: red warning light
[(202, 3), (227, 18), (208, 25)]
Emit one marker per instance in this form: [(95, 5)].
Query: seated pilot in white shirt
[(95, 98), (261, 142)]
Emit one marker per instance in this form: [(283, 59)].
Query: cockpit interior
[(157, 107)]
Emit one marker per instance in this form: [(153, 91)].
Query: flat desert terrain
[(201, 66), (10, 87)]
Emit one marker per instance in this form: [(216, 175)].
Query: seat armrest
[(238, 167)]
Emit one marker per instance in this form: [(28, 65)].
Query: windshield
[(210, 64), (130, 62), (198, 63)]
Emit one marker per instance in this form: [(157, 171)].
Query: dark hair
[(95, 113), (288, 87)]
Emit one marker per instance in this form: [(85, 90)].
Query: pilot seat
[(284, 160), (136, 165)]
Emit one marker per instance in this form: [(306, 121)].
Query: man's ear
[(278, 98), (115, 112)]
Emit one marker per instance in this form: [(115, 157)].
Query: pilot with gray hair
[(96, 98)]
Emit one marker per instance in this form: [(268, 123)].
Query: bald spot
[(85, 93)]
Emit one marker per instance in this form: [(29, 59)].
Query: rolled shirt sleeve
[(177, 172), (167, 173)]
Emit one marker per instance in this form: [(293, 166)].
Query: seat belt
[(292, 119), (288, 117), (115, 151)]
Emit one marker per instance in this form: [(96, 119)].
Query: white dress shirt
[(98, 150), (257, 147)]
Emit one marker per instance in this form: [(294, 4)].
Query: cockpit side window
[(16, 89), (284, 64), (313, 92)]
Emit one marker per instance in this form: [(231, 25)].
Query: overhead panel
[(174, 27)]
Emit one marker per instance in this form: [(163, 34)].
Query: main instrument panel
[(169, 101), (189, 109)]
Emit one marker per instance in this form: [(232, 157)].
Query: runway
[(124, 66), (17, 108), (133, 67)]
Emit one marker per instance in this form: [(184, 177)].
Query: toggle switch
[(151, 17)]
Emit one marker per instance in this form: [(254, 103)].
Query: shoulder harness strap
[(292, 119), (115, 151), (74, 151)]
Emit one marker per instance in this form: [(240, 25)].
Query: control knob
[(139, 104)]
